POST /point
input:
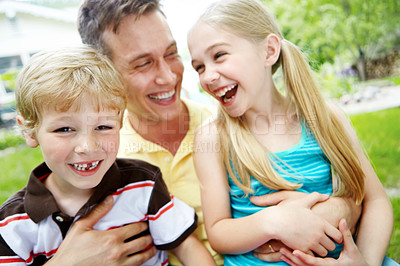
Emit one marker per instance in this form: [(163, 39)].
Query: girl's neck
[(272, 109)]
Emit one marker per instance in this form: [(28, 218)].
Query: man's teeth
[(162, 96), (86, 166), (222, 92)]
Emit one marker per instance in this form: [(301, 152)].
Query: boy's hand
[(85, 246)]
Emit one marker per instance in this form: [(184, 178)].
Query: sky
[(181, 15)]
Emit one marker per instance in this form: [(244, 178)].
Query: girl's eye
[(63, 129), (218, 55)]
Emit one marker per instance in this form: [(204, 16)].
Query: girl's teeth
[(222, 92)]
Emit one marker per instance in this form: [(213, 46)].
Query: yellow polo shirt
[(178, 171)]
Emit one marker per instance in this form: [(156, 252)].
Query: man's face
[(146, 55)]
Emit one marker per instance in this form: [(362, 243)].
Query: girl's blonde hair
[(64, 77), (251, 20)]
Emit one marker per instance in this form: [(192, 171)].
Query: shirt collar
[(40, 202)]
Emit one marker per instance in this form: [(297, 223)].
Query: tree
[(356, 30)]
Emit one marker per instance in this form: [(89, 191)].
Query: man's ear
[(272, 48), (30, 139)]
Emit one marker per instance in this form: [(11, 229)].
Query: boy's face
[(78, 146)]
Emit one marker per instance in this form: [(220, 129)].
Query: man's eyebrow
[(172, 44)]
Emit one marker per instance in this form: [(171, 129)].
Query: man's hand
[(349, 256), (85, 246)]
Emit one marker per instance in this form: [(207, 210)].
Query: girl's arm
[(376, 223), (193, 252), (293, 223)]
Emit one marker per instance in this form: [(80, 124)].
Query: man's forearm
[(337, 208)]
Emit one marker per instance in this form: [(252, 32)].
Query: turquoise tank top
[(306, 164)]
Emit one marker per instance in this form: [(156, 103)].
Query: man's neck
[(166, 133)]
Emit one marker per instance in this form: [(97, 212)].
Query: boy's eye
[(104, 127), (63, 129)]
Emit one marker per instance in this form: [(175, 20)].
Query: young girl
[(267, 139)]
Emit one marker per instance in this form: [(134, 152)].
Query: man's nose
[(164, 74)]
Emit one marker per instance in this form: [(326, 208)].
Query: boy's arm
[(192, 252)]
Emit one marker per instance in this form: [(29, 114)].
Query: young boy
[(70, 102)]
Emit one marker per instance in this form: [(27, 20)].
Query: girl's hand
[(349, 256), (299, 228)]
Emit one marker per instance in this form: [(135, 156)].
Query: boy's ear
[(30, 140), (272, 48)]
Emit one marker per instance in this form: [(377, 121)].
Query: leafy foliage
[(332, 29)]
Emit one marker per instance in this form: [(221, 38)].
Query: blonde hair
[(62, 78), (251, 20)]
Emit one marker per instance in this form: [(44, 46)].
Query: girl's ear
[(272, 47), (30, 140)]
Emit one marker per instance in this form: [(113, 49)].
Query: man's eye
[(63, 129), (171, 53), (142, 65), (199, 69)]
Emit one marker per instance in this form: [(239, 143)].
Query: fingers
[(269, 251), (270, 199), (348, 242), (334, 233), (291, 259), (314, 198), (142, 257), (271, 257), (96, 214), (267, 200), (129, 230)]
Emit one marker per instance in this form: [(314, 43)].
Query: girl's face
[(231, 69), (78, 146)]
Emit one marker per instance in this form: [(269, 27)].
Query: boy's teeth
[(85, 166), (222, 92), (162, 96)]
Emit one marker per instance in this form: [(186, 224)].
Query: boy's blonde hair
[(251, 20), (64, 77)]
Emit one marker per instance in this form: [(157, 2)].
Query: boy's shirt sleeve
[(8, 256), (171, 220)]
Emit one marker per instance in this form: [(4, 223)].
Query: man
[(158, 127)]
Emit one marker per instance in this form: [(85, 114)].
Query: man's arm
[(332, 210), (85, 246)]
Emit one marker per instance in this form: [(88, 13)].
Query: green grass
[(379, 133), (394, 248), (15, 169)]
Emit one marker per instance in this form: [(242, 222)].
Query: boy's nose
[(86, 144)]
